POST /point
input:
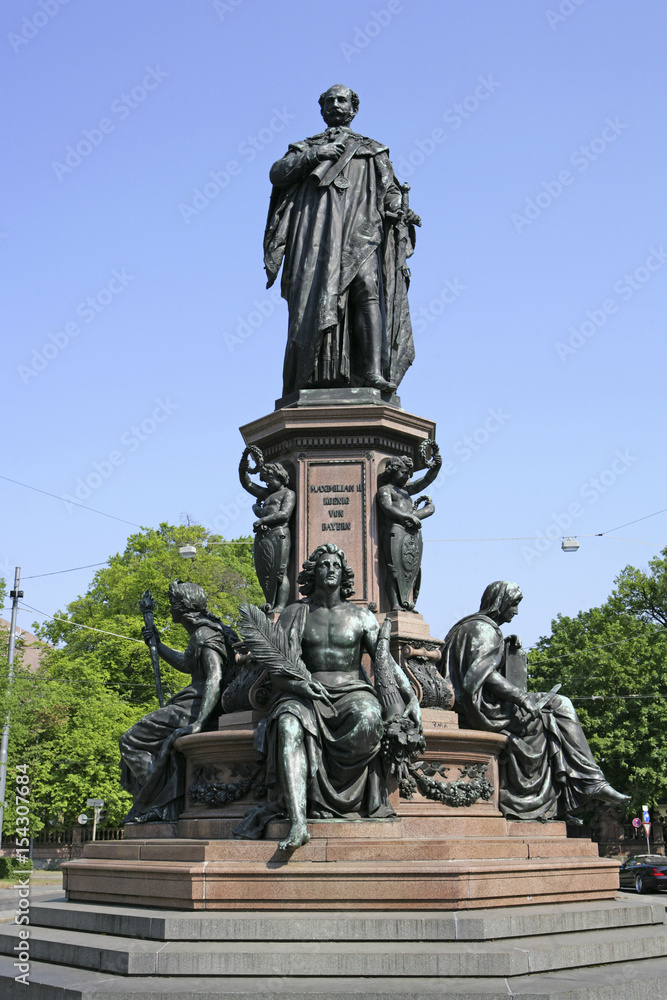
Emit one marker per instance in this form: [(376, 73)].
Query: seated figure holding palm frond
[(325, 725)]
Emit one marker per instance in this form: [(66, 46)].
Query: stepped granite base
[(614, 950)]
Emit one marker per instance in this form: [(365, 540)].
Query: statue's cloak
[(547, 769), (322, 229)]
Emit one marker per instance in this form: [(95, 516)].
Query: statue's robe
[(326, 220), (345, 777), (144, 762), (547, 769)]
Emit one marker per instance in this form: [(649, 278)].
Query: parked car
[(644, 872)]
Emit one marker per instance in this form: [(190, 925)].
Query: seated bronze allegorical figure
[(151, 769), (323, 734), (547, 770)]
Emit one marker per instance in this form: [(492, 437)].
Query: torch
[(147, 606)]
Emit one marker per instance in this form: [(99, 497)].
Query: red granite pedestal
[(432, 856)]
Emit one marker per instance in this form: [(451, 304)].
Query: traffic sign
[(82, 818), (636, 822), (647, 829), (95, 803)]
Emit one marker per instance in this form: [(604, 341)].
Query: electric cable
[(75, 502)]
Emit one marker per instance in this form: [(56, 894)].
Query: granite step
[(294, 925), (642, 980), (350, 885), (344, 849), (529, 955)]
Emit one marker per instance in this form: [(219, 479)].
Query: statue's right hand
[(526, 703), (317, 692), (331, 150), (150, 635)]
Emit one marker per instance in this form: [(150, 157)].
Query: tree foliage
[(91, 686), (611, 662)]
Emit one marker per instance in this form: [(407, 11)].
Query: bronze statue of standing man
[(340, 225)]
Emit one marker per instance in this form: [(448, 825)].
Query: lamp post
[(15, 594)]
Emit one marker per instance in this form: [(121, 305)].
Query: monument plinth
[(335, 451)]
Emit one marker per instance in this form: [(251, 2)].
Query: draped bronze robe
[(324, 235), (547, 769)]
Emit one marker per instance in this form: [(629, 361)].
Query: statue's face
[(402, 473), (328, 572), (272, 482), (337, 109), (177, 610), (511, 612)]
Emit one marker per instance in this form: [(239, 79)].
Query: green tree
[(611, 662), (91, 685)]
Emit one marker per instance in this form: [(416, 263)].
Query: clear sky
[(135, 187)]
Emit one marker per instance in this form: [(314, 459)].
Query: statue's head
[(274, 471), (326, 565), (339, 105), (185, 597), (500, 601), (397, 470)]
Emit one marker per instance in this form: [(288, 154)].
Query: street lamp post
[(15, 594)]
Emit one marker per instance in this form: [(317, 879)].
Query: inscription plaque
[(337, 513)]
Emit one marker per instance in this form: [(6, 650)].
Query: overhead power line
[(66, 621), (636, 521), (36, 576), (75, 502)]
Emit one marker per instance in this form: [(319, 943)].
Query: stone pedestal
[(335, 443), (448, 848)]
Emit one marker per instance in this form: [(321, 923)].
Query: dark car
[(644, 872)]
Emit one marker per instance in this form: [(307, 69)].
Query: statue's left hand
[(413, 712), (412, 219), (194, 727)]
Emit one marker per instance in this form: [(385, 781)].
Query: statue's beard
[(338, 120)]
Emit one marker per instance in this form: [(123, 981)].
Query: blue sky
[(533, 138)]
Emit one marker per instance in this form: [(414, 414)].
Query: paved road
[(43, 885)]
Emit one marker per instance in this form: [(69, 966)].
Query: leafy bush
[(9, 867)]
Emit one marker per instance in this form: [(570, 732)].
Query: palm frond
[(270, 644)]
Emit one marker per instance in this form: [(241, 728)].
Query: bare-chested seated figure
[(323, 733)]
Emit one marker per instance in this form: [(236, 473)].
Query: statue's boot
[(608, 794), (375, 381)]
